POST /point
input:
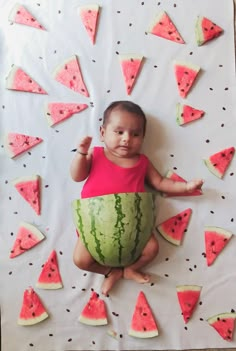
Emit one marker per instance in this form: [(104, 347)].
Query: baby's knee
[(80, 262)]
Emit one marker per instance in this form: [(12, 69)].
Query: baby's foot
[(137, 276), (110, 279)]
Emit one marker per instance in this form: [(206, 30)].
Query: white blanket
[(122, 29)]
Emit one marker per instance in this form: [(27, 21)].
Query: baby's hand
[(194, 184), (84, 145)]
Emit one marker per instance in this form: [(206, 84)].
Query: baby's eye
[(119, 132)]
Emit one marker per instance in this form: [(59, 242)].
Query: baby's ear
[(102, 132)]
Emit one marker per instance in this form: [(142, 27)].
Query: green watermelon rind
[(143, 335), (129, 237), (212, 169), (211, 320), (37, 233), (93, 322), (9, 150), (186, 287)]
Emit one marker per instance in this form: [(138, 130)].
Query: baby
[(120, 167)]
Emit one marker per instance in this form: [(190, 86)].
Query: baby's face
[(123, 133)]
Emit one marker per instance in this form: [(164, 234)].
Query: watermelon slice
[(89, 16), (219, 162), (162, 26), (19, 14), (131, 66), (173, 229), (69, 74), (216, 239), (27, 237), (29, 189), (19, 80), (206, 30), (57, 112), (174, 176), (185, 75), (186, 114), (143, 324), (32, 310), (15, 143), (50, 277), (94, 312), (188, 296), (224, 324)]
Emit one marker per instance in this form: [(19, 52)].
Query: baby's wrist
[(81, 153)]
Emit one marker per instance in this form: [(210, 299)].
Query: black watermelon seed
[(30, 264), (190, 269), (232, 219), (73, 287), (195, 266), (121, 336), (223, 108), (50, 334), (231, 174), (108, 91), (10, 273), (85, 274), (152, 284), (222, 125), (67, 310), (130, 24), (207, 140), (60, 252), (185, 328), (200, 303), (166, 275), (69, 340), (212, 212), (211, 89), (187, 259), (201, 319), (226, 88), (232, 310), (93, 342), (190, 53), (167, 259), (223, 197), (31, 344), (11, 233)]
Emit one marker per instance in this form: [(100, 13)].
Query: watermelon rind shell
[(179, 111), (32, 321), (221, 231), (224, 315), (93, 322), (186, 287), (143, 335), (212, 169), (115, 228)]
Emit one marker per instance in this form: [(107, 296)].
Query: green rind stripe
[(80, 224), (93, 230), (119, 225), (138, 224)]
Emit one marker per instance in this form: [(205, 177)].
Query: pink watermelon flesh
[(219, 162), (29, 189), (32, 310), (50, 277), (130, 68), (27, 237), (21, 15), (94, 312), (19, 80), (215, 240), (89, 15), (69, 74), (143, 324), (185, 75), (58, 112), (164, 27), (173, 229), (177, 178), (188, 297), (186, 114), (16, 143), (224, 324), (206, 30)]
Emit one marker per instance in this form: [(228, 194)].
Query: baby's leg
[(85, 261), (149, 253)]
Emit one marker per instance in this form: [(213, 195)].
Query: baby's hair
[(125, 105)]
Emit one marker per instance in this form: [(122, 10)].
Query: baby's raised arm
[(81, 163)]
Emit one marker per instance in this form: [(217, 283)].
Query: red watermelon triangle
[(69, 74), (185, 75), (219, 162), (27, 237), (50, 277), (19, 80), (29, 189), (32, 310), (224, 324), (16, 143), (216, 239), (162, 26), (94, 312), (89, 16), (174, 176), (186, 114), (57, 112), (19, 14), (173, 228), (143, 324), (131, 66), (188, 296), (206, 30)]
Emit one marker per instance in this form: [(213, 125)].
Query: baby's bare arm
[(81, 163), (167, 185)]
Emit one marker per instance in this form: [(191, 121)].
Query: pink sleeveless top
[(108, 178)]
